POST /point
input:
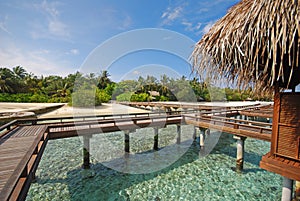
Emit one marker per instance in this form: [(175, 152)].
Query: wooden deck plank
[(16, 149)]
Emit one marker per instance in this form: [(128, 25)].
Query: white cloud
[(114, 19), (171, 14), (38, 62), (55, 27), (189, 26), (126, 23), (207, 27), (74, 51), (3, 25), (50, 8), (136, 72)]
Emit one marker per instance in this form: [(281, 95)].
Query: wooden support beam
[(195, 133), (240, 146), (155, 145), (86, 152), (202, 136), (178, 140), (126, 141), (287, 189), (297, 191)]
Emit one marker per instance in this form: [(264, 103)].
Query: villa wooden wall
[(286, 126)]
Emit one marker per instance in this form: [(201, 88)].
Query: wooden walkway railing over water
[(22, 142), (20, 152)]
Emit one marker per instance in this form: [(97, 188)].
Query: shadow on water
[(108, 184), (227, 145)]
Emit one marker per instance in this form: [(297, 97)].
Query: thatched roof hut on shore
[(257, 45)]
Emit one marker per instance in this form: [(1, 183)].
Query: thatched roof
[(257, 41)]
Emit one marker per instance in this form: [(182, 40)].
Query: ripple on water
[(60, 177)]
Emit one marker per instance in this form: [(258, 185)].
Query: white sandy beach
[(24, 107), (105, 108)]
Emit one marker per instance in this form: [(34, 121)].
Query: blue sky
[(59, 37)]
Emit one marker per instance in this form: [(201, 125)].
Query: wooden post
[(239, 152), (297, 191), (86, 152), (155, 145), (195, 133), (287, 189), (275, 120), (202, 137), (178, 134), (126, 141)]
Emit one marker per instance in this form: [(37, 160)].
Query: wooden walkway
[(74, 129), (20, 150), (184, 105), (22, 146), (263, 111), (243, 128)]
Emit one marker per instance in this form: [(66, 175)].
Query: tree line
[(17, 85)]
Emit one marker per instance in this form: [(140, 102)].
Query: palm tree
[(7, 82), (164, 80), (103, 80), (141, 84), (19, 72), (31, 82), (62, 90)]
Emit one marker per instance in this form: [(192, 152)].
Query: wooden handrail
[(7, 127), (22, 167), (108, 121), (236, 125)]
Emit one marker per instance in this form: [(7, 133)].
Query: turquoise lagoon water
[(193, 174)]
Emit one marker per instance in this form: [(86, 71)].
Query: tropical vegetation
[(17, 85)]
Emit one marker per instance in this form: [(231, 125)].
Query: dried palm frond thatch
[(256, 43)]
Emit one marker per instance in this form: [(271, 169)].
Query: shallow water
[(194, 175)]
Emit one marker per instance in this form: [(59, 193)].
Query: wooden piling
[(86, 152), (297, 191), (287, 189), (178, 140), (240, 143), (202, 136), (195, 133), (155, 145), (126, 141)]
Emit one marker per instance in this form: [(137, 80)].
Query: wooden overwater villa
[(257, 45), (22, 142)]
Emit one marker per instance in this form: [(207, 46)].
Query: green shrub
[(24, 98), (124, 96), (85, 98), (39, 98), (142, 97), (103, 96), (59, 99), (163, 98)]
